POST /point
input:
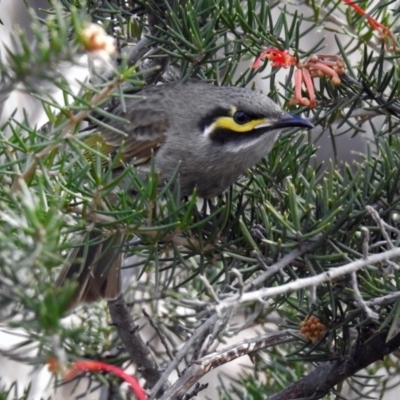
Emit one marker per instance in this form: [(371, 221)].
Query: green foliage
[(54, 186)]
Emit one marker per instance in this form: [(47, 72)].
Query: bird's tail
[(95, 266)]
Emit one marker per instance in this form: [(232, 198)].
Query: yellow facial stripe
[(229, 124)]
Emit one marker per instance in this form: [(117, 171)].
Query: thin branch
[(209, 288), (382, 225), (201, 367), (384, 300), (197, 335), (196, 390), (320, 382), (284, 262), (333, 273), (365, 243), (128, 333), (160, 335), (359, 300)]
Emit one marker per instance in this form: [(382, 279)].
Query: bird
[(212, 134)]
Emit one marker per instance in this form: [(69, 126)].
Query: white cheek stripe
[(208, 130), (236, 147)]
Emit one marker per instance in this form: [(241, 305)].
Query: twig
[(197, 335), (320, 382), (204, 348), (333, 273), (239, 277), (160, 336), (384, 300), (273, 318), (384, 228), (245, 347), (209, 288), (381, 224), (128, 333), (365, 243), (353, 276), (138, 51), (196, 390), (284, 262), (359, 300), (214, 360)]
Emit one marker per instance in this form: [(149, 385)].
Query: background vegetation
[(293, 239)]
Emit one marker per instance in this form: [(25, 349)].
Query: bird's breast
[(209, 168)]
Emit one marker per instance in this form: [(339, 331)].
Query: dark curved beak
[(287, 120)]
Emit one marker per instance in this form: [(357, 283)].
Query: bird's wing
[(134, 139), (95, 267)]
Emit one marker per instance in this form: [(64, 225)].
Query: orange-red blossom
[(318, 65), (384, 32), (98, 366)]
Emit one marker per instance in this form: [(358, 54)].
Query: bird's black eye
[(241, 118)]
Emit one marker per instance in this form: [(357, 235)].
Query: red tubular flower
[(279, 58), (318, 65), (308, 82), (384, 32), (97, 366), (298, 82)]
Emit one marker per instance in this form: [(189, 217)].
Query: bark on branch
[(321, 381)]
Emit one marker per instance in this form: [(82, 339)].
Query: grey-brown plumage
[(213, 133)]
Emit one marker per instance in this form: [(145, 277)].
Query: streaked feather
[(146, 135)]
